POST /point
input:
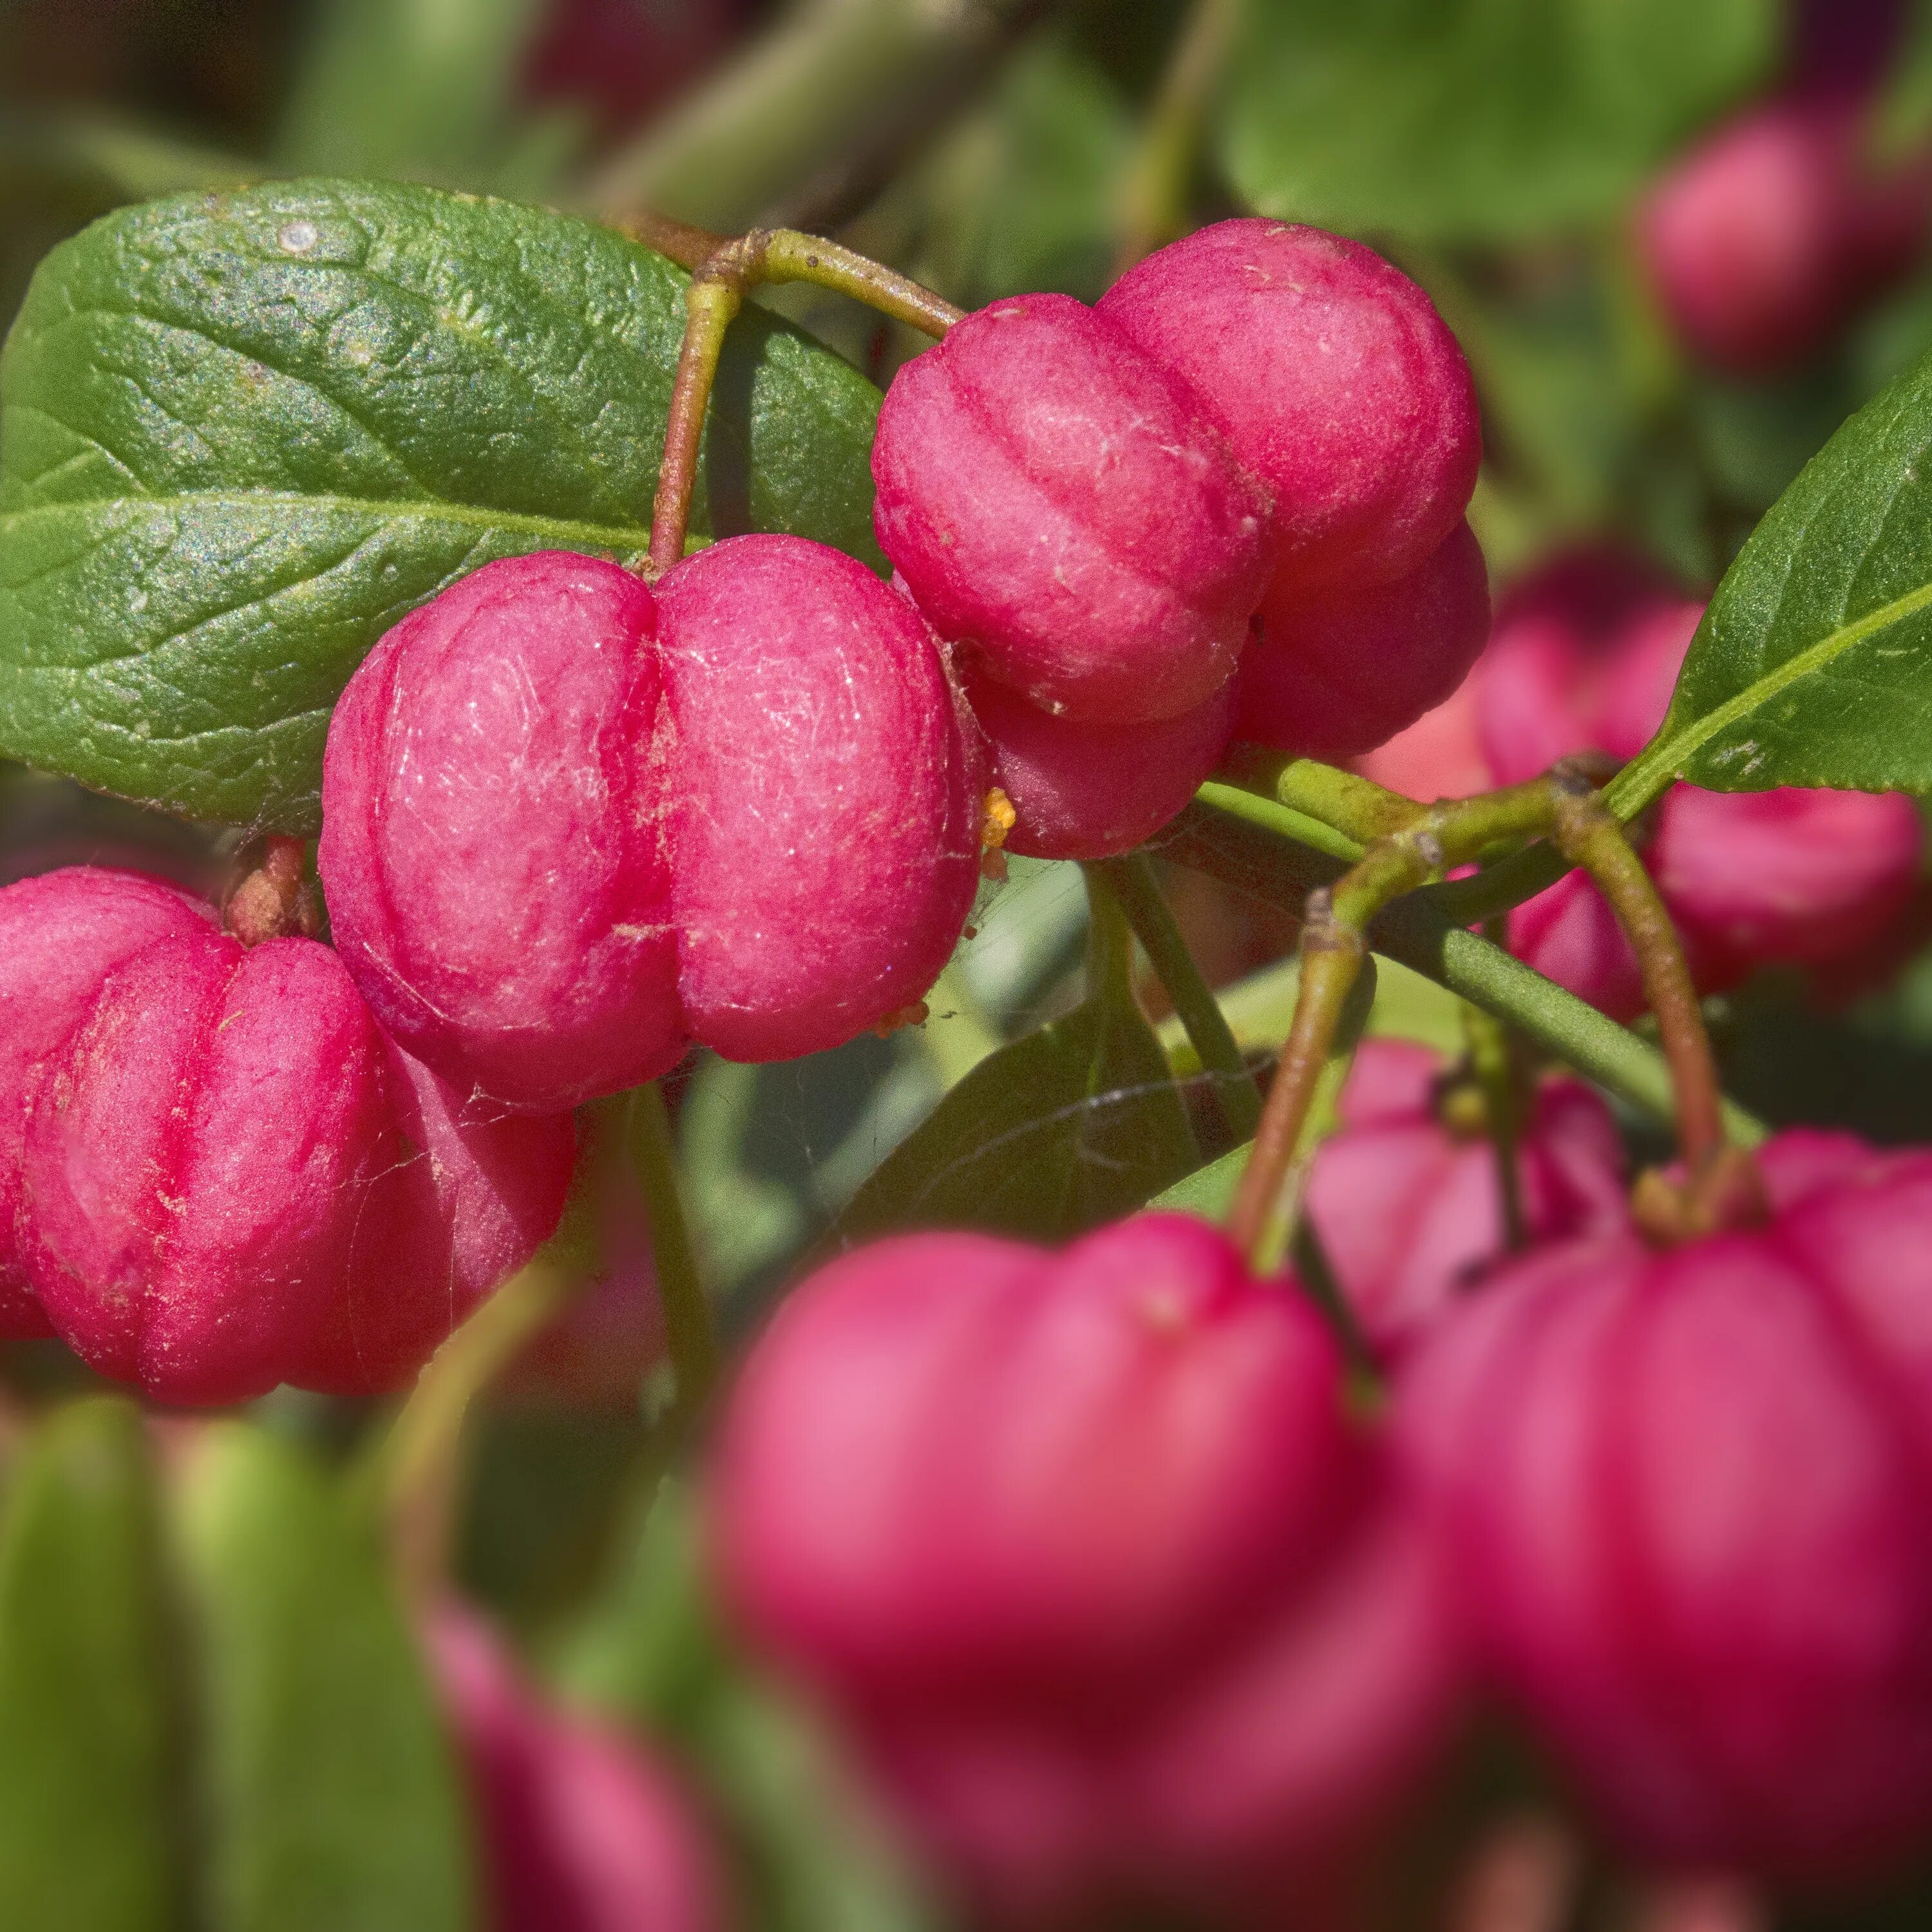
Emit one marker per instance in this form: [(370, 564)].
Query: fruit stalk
[(721, 279), (1133, 882), (1589, 836)]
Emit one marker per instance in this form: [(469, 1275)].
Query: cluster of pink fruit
[(573, 824), (1583, 657), (1125, 1599)]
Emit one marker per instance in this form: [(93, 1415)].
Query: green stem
[(1591, 838), (1352, 805), (1415, 933), (1110, 942), (688, 1338), (414, 1469), (1494, 1066), (1132, 882), (785, 255), (1154, 193), (1284, 821), (711, 303)]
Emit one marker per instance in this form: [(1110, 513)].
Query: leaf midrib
[(572, 533), (1656, 767)]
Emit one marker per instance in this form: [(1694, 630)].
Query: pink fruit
[(1333, 378), (820, 802), (1335, 672), (580, 1830), (957, 1469), (61, 934), (1568, 933), (492, 845), (1799, 876), (568, 827), (231, 1179), (1409, 1209), (1254, 1791), (1689, 1489), (1055, 500), (1086, 1552), (1769, 236), (1091, 791)]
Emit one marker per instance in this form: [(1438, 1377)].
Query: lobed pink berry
[(1092, 791), (1769, 236), (228, 1178), (61, 934), (1335, 672), (569, 827), (1688, 1491), (579, 1830), (1409, 1208), (821, 801), (1057, 503), (1085, 1551), (1334, 380), (958, 1469)]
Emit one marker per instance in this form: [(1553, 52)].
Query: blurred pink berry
[(1335, 380), (578, 1829), (1086, 1551), (1688, 1489), (569, 827), (1409, 1209), (1057, 503), (1765, 240), (1334, 673)]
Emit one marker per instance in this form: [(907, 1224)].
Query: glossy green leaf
[(1463, 119), (1813, 663), (329, 1792), (241, 434), (1066, 1128), (90, 1801)]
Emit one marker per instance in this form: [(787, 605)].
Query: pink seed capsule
[(578, 1829), (959, 1469), (1771, 234), (569, 827), (1092, 791), (1085, 1553), (1335, 672), (61, 934), (820, 797), (1056, 502), (1334, 379), (231, 1180), (1688, 1491), (1407, 1201)]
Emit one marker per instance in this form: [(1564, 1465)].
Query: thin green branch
[(688, 1337), (1133, 884)]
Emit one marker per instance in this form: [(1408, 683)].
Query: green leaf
[(1209, 1191), (1474, 119), (329, 1794), (241, 435), (90, 1809), (1813, 663), (1066, 1128)]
